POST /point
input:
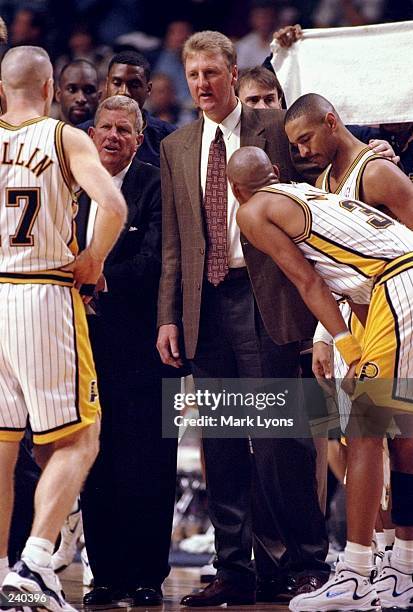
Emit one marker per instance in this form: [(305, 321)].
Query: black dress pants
[(280, 474), (128, 498)]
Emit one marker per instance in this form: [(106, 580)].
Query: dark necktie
[(215, 206)]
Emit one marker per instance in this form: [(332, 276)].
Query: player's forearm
[(319, 299), (109, 223)]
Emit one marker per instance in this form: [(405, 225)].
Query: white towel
[(366, 72)]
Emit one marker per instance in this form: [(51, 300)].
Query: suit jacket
[(124, 334), (285, 316)]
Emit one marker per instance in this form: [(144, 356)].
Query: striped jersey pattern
[(37, 201), (350, 242)]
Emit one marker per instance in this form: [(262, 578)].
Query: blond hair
[(210, 42)]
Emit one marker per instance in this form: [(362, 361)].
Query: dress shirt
[(231, 131)]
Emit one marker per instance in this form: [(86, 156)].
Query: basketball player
[(367, 256), (354, 171), (46, 371)]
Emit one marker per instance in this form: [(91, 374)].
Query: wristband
[(348, 346)]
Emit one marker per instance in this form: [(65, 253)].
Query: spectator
[(253, 48), (129, 75), (330, 13), (77, 92), (170, 62), (259, 88), (163, 103), (82, 45)]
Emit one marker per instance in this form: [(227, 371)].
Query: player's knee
[(402, 499)]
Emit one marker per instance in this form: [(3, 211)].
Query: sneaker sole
[(335, 609), (17, 585)]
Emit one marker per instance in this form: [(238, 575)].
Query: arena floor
[(180, 582)]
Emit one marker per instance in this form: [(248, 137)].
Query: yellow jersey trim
[(46, 277), (64, 168), (308, 220), (365, 265), (361, 172), (346, 174), (405, 262), (14, 128)]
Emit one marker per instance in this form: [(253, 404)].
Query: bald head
[(312, 106), (250, 169), (25, 69)]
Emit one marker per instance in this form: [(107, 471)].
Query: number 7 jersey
[(38, 203), (351, 243)]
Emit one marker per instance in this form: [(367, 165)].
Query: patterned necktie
[(215, 207)]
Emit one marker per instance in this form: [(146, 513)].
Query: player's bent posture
[(47, 374), (366, 256)]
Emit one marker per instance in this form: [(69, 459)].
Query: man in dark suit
[(128, 499), (240, 317), (129, 75)]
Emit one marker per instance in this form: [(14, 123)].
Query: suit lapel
[(252, 132), (192, 163)]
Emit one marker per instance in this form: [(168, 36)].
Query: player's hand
[(384, 148), (322, 360), (348, 383), (288, 36), (86, 271), (168, 345)]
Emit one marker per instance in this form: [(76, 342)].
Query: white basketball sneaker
[(395, 588), (39, 583), (69, 536), (346, 590)]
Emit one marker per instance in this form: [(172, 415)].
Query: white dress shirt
[(118, 181), (231, 131)]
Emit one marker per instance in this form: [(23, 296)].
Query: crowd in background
[(87, 29)]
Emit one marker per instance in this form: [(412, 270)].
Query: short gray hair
[(122, 103)]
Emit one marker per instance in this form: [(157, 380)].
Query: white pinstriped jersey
[(37, 201), (350, 242), (349, 186)]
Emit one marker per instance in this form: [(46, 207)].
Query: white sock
[(381, 541), (359, 558), (402, 555), (390, 536), (39, 551)]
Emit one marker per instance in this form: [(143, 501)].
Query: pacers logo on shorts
[(369, 370), (93, 391)]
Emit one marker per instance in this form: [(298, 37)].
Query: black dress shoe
[(98, 596), (308, 583), (273, 590), (219, 592), (147, 596)]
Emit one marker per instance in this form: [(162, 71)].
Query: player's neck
[(348, 149), (23, 111)]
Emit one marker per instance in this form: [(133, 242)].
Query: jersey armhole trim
[(308, 220), (64, 168)]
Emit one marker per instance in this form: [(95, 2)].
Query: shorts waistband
[(395, 267), (45, 277)]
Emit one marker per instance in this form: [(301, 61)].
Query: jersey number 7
[(28, 199)]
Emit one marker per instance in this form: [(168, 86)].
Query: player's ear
[(276, 171), (331, 120), (58, 94)]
